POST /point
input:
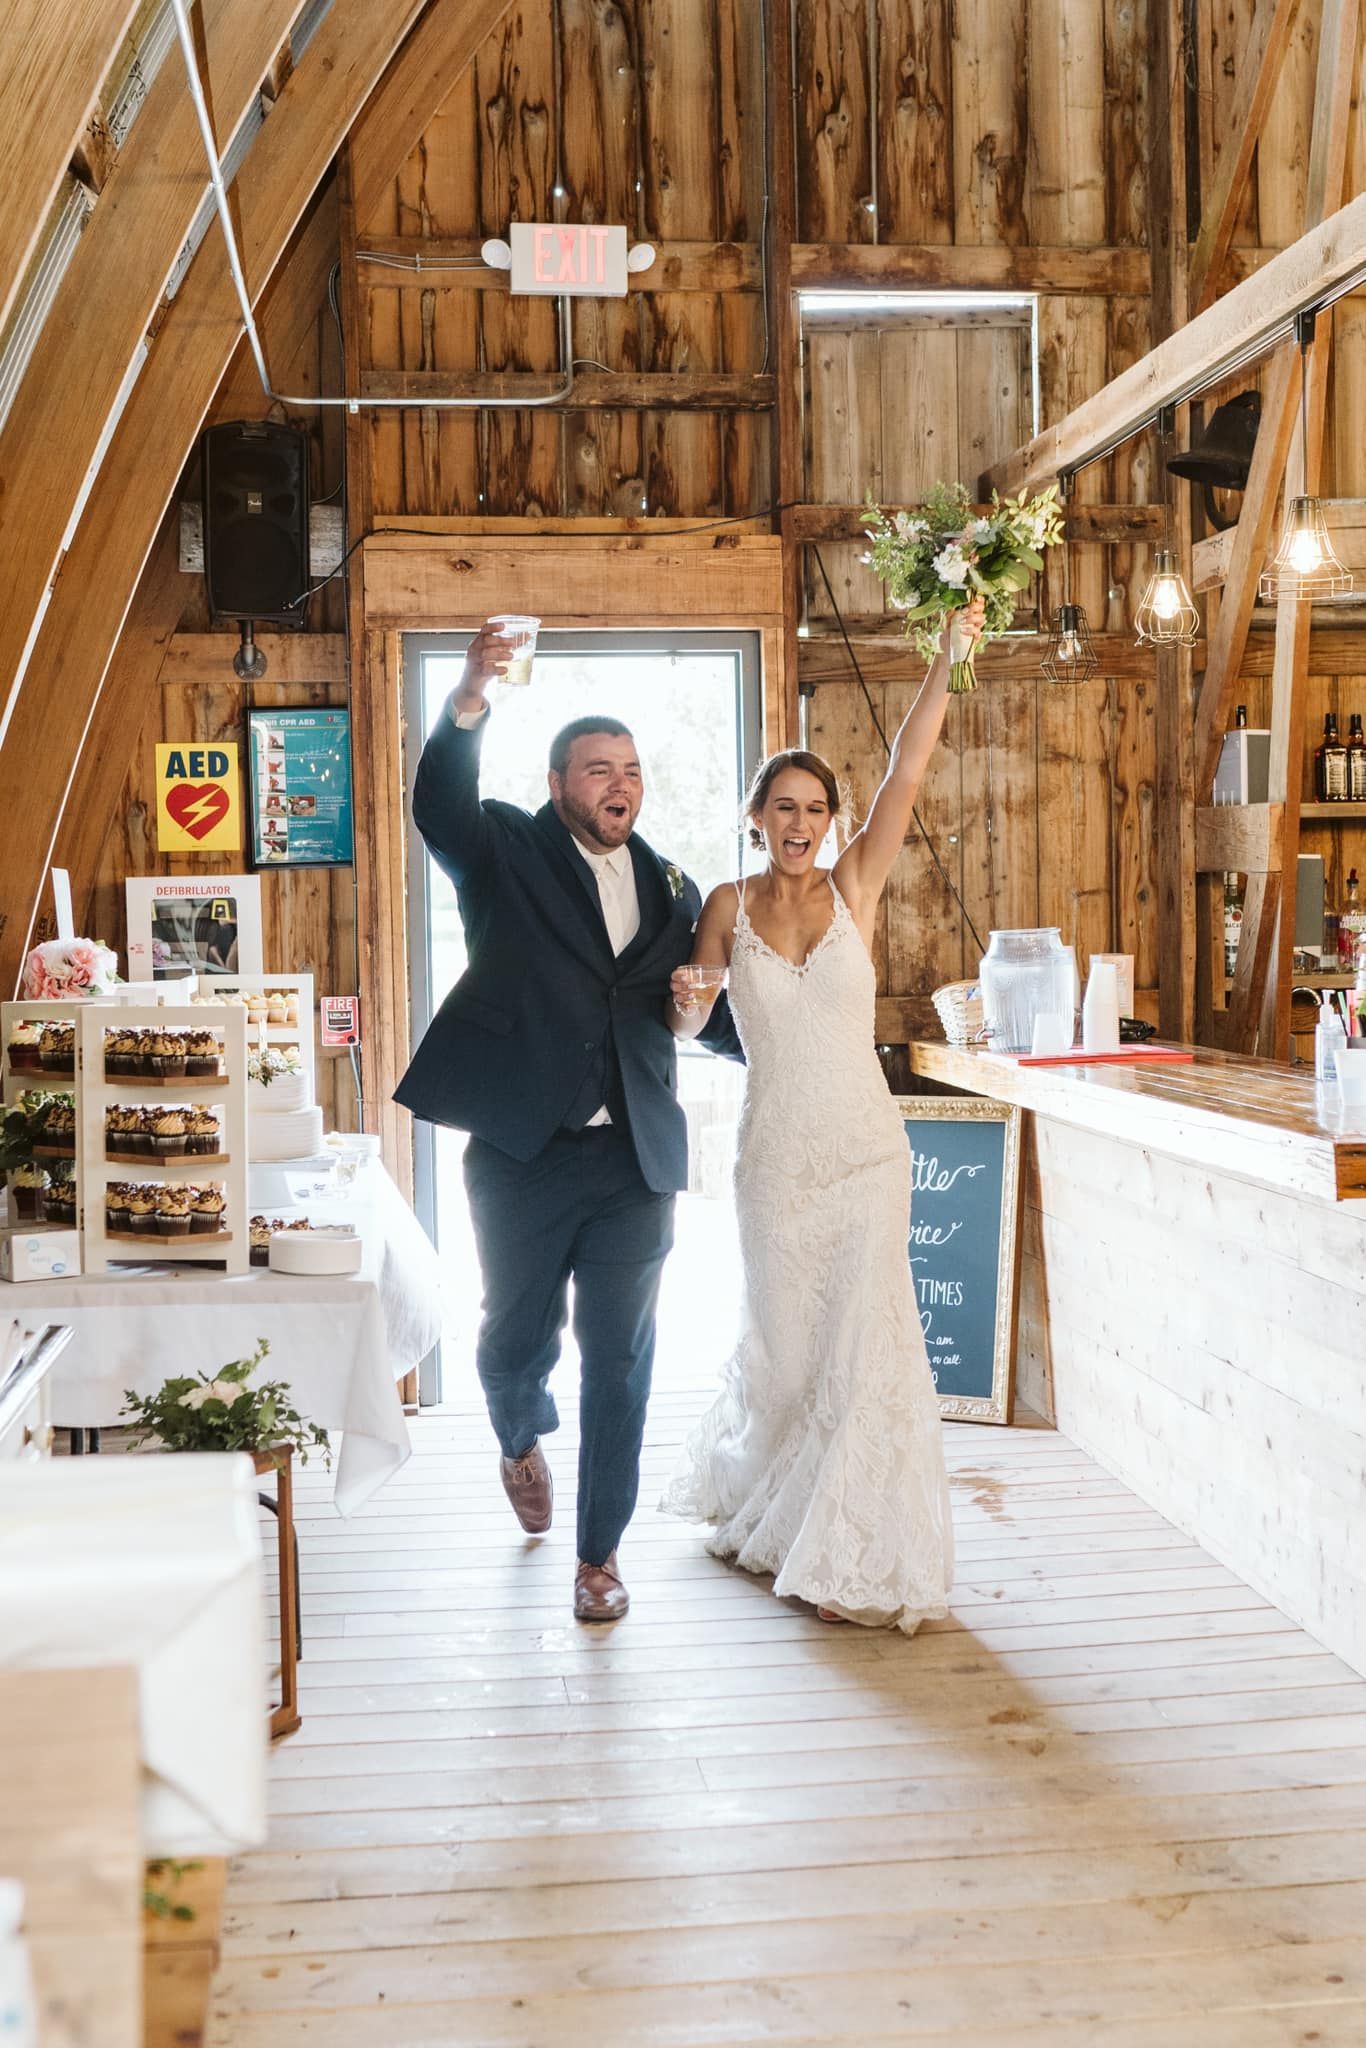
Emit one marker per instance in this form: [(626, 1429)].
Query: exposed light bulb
[(1166, 599), (1306, 555), (1069, 648)]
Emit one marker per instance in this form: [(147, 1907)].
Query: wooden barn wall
[(984, 124)]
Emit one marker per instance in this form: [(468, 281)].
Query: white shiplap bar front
[(1193, 1306)]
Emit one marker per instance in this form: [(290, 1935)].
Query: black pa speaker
[(255, 481)]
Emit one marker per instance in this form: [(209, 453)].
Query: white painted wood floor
[(1116, 1801)]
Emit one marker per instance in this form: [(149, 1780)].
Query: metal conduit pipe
[(352, 405)]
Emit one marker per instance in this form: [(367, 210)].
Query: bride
[(822, 1460)]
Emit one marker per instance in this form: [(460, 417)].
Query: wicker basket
[(959, 1004)]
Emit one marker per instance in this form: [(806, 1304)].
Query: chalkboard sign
[(964, 1224)]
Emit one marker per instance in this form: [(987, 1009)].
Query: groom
[(553, 1053)]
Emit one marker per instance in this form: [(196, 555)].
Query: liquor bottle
[(1233, 923), (1356, 761), (1240, 720), (1351, 925), (1359, 993), (1330, 764)]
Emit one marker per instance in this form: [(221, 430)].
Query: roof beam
[(107, 300), (979, 267), (1243, 324), (1260, 65), (55, 60)]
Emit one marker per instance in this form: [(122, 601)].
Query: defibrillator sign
[(199, 807)]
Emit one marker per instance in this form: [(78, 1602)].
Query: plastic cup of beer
[(704, 981), (521, 634)]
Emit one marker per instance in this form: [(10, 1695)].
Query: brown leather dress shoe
[(528, 1485), (599, 1594)]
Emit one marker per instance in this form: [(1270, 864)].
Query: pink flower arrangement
[(64, 968)]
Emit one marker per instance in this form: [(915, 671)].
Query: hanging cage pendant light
[(1305, 565), (1167, 614), (1071, 655)]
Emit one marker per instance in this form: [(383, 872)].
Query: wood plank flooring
[(1115, 1801)]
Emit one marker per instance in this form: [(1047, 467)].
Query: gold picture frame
[(995, 1406)]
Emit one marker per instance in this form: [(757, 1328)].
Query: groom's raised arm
[(446, 806)]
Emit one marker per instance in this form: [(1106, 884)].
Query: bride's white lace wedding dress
[(822, 1461)]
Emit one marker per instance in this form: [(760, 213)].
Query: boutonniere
[(674, 877)]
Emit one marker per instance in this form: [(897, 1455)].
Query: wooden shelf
[(135, 1083), (168, 1159), (54, 1151), (153, 1239), (1333, 814)]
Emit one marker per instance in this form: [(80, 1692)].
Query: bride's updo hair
[(767, 773)]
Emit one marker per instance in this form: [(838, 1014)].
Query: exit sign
[(576, 262)]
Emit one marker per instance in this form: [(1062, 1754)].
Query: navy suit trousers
[(579, 1210)]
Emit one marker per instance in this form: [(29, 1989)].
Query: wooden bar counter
[(1193, 1303)]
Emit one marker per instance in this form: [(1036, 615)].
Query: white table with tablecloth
[(341, 1344)]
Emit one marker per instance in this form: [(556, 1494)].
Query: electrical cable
[(948, 880)]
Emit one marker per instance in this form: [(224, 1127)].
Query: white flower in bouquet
[(951, 566), (933, 562)]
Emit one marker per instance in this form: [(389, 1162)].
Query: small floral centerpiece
[(935, 561), (65, 968), (222, 1413)]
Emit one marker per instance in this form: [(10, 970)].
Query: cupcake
[(203, 1131), (260, 1241), (120, 1129), (60, 1126), (201, 1055), (25, 1048), (173, 1212), (27, 1187), (206, 1210), (168, 1056), (120, 1053), (168, 1134), (146, 1053), (58, 1049), (116, 1208), (142, 1210), (61, 1196)]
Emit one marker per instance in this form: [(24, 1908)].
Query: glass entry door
[(694, 703)]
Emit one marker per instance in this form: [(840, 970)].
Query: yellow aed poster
[(199, 802)]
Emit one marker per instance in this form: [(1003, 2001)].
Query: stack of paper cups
[(1100, 1010)]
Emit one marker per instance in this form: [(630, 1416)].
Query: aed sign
[(583, 262), (199, 804)]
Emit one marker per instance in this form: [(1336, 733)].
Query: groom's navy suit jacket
[(545, 1010)]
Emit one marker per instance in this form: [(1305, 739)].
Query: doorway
[(694, 702)]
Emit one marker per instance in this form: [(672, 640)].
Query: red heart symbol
[(196, 806)]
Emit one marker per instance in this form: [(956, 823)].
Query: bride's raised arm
[(862, 869)]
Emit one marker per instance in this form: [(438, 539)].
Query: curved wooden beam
[(53, 61), (107, 300), (336, 75)]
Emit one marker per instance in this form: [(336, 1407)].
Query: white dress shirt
[(614, 874)]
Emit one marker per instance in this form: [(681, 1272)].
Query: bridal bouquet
[(935, 561), (69, 967)]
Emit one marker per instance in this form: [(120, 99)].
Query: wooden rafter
[(900, 266), (106, 301), (333, 78), (1243, 323), (54, 61), (1260, 67)]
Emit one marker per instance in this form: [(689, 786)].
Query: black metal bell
[(1221, 454)]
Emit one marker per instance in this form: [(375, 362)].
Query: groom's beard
[(602, 831)]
